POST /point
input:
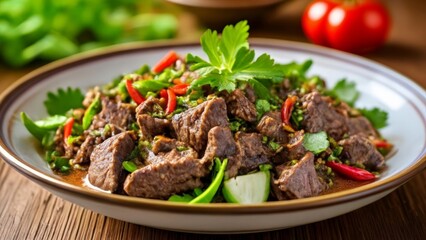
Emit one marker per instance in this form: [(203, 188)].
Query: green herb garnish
[(316, 142), (376, 116), (63, 100), (232, 62), (345, 91)]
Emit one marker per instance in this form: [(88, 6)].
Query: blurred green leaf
[(46, 29)]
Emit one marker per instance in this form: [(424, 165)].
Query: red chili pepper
[(165, 62), (180, 89), (163, 93), (134, 94), (177, 81), (353, 173), (68, 128), (382, 144), (287, 108), (171, 101)]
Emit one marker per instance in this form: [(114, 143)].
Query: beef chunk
[(221, 144), (299, 180), (361, 125), (163, 144), (105, 168), (271, 126), (240, 106), (360, 150), (119, 114), (250, 94), (193, 125), (150, 106), (86, 149), (320, 115), (176, 172), (252, 152), (293, 150), (151, 126)]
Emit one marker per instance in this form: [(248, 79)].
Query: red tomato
[(352, 26)]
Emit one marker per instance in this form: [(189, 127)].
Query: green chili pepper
[(129, 166), (209, 193), (91, 111), (33, 128)]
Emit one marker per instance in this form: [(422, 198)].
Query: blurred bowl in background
[(218, 13)]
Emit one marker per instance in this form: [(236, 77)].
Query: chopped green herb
[(232, 62), (62, 101), (376, 116), (316, 142), (262, 107), (345, 91)]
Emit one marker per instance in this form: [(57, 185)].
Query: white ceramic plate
[(401, 98)]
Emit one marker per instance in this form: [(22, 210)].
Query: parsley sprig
[(232, 62)]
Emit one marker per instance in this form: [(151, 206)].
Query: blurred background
[(35, 32)]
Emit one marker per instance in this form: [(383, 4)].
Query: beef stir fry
[(234, 129)]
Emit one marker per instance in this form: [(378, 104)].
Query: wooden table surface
[(27, 211)]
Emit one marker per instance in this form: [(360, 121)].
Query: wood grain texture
[(29, 212)]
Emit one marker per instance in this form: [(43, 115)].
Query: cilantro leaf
[(345, 91), (233, 39), (232, 62), (63, 100), (262, 107), (376, 116), (316, 142)]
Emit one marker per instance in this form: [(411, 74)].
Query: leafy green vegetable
[(345, 91), (316, 142), (63, 100), (91, 111), (232, 62), (376, 116), (48, 30)]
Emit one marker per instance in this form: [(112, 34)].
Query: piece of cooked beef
[(295, 149), (163, 144), (271, 126), (320, 115), (152, 126), (358, 149), (252, 152), (361, 125), (150, 106), (221, 144), (116, 113), (240, 106), (299, 180), (193, 125), (106, 161), (176, 172), (90, 141), (250, 94)]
